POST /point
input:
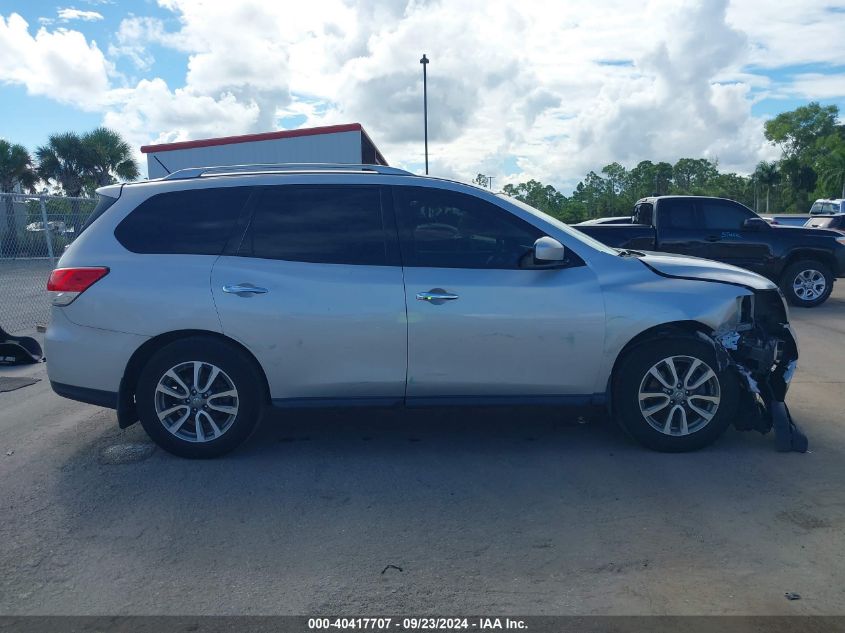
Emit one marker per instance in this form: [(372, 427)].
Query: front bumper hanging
[(764, 360)]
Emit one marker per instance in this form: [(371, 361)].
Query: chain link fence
[(34, 231)]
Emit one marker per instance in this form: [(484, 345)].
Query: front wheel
[(670, 396), (807, 283), (199, 397)]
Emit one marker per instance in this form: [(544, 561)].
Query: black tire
[(806, 266), (632, 373), (236, 368)]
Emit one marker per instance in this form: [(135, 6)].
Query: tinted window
[(197, 222), (103, 205), (330, 225), (643, 213), (445, 229), (825, 207), (722, 215), (678, 213)]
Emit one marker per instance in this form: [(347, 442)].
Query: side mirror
[(548, 249), (755, 224)]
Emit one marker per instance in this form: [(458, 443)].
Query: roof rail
[(264, 168)]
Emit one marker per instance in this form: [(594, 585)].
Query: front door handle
[(244, 290), (436, 296), (713, 238)]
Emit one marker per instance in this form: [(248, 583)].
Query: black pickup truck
[(803, 261)]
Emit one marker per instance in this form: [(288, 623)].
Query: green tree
[(831, 167), (78, 164), (768, 175), (107, 158), (833, 172), (63, 161), (662, 179), (642, 180), (734, 187), (543, 197), (16, 169), (694, 175), (482, 181), (797, 131), (802, 134)]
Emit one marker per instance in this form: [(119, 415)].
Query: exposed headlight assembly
[(746, 313)]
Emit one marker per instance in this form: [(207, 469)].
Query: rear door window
[(318, 224), (678, 213), (643, 213), (192, 222)]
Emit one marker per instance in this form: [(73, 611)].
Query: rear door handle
[(713, 238), (436, 296), (244, 290)]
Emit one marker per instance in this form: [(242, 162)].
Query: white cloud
[(68, 14), (59, 64), (790, 33), (133, 38), (177, 115), (817, 86), (535, 84)]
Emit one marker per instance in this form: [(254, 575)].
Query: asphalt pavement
[(485, 511)]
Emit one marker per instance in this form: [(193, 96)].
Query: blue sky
[(535, 90)]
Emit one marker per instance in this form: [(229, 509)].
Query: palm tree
[(62, 160), (15, 170), (832, 172), (767, 174), (107, 157)]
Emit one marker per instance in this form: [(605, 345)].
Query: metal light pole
[(424, 62)]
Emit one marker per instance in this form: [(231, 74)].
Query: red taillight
[(68, 283), (74, 279)]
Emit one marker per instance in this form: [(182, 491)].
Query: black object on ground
[(19, 350), (391, 567)]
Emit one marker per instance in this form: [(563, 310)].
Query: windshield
[(825, 207), (574, 233)]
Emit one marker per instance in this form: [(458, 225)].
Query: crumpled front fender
[(763, 355)]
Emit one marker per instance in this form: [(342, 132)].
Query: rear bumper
[(85, 363), (106, 399)]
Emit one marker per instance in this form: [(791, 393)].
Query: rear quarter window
[(103, 205), (192, 222)]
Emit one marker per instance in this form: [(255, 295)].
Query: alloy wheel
[(809, 285), (196, 401), (679, 395)]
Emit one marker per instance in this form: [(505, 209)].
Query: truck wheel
[(807, 283), (199, 397), (670, 396)]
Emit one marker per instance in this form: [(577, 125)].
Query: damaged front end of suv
[(759, 345)]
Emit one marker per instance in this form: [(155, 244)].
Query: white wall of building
[(338, 147)]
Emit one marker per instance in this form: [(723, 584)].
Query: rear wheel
[(807, 283), (199, 397), (670, 396)]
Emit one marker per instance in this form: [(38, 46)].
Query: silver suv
[(192, 302)]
